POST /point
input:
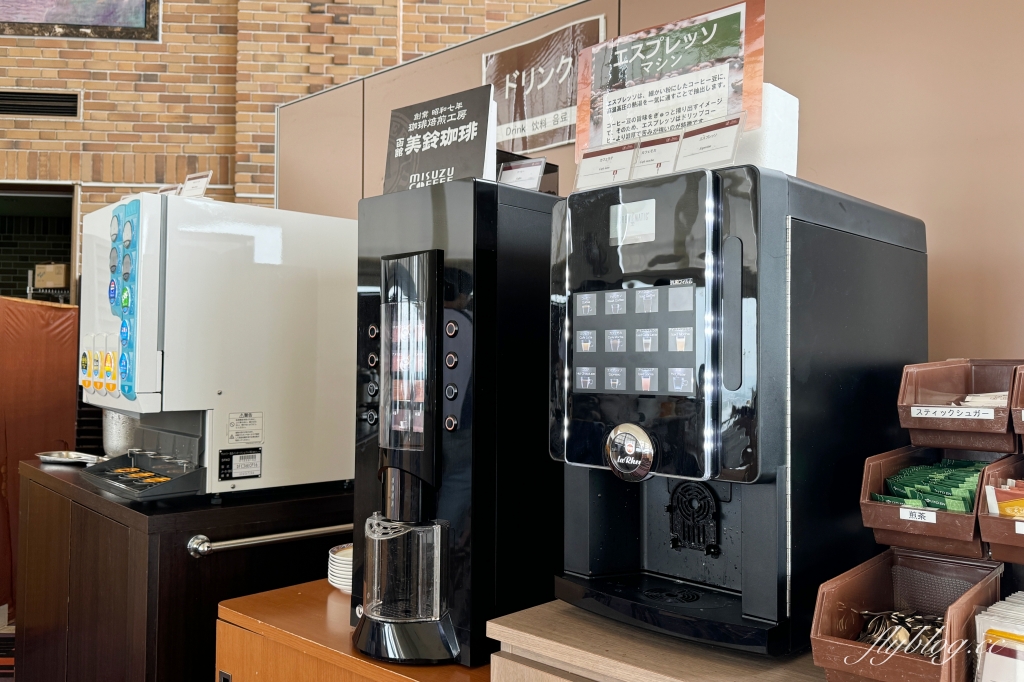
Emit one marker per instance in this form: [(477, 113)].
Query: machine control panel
[(636, 341), (108, 365)]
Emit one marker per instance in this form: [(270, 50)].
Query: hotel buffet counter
[(303, 633), (107, 589)]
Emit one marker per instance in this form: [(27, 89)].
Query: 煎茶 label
[(915, 514)]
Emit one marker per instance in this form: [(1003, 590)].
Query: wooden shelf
[(557, 641)]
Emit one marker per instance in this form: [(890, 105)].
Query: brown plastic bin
[(951, 533), (1001, 533), (1017, 400), (901, 579), (937, 384)]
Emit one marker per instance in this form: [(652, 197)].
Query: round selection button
[(371, 359), (451, 361), (372, 388), (451, 329), (451, 391), (451, 422), (371, 417), (372, 331), (629, 452)]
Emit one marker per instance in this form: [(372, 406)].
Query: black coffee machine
[(727, 348), (458, 507)]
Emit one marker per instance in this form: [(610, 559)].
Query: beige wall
[(320, 164), (902, 103)]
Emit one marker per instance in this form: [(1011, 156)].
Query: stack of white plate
[(339, 567)]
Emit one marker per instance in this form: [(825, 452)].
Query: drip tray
[(673, 608), (128, 475)]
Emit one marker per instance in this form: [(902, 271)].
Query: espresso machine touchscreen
[(726, 349), (454, 361)]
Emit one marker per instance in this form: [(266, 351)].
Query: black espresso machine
[(458, 506), (726, 350)]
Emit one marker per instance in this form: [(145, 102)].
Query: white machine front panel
[(119, 360), (259, 330)]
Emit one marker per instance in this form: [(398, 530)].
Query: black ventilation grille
[(28, 103)]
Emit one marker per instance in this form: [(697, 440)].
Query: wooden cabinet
[(239, 653), (44, 555), (107, 591), (303, 633), (252, 658)]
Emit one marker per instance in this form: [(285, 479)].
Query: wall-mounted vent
[(38, 103)]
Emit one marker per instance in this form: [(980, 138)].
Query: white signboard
[(605, 166), (711, 145), (656, 157)]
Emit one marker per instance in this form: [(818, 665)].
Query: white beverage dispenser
[(229, 331)]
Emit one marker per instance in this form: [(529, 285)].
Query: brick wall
[(432, 25), (290, 49), (26, 241), (204, 96), (501, 14), (150, 113)]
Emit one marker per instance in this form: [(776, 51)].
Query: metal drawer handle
[(200, 545)]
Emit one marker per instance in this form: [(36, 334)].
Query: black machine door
[(636, 296)]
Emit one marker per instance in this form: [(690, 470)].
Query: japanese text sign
[(671, 77), (535, 86), (441, 140), (919, 515), (952, 412)]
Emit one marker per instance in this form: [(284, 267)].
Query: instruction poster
[(535, 86), (672, 77)]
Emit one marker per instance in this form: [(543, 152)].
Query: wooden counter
[(108, 591), (557, 642), (303, 633)]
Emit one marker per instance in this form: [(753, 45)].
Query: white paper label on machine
[(245, 427)]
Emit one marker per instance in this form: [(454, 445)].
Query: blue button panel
[(123, 288)]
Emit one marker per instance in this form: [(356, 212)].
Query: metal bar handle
[(200, 545)]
